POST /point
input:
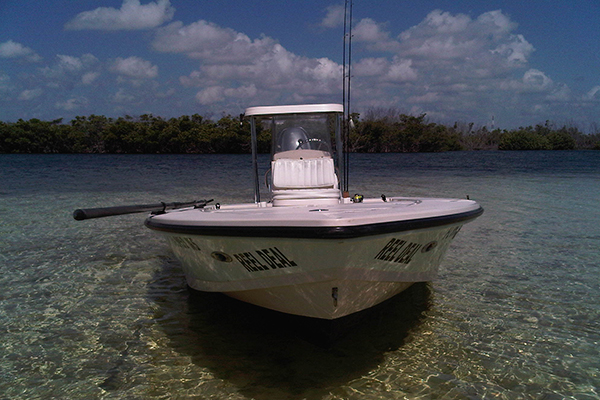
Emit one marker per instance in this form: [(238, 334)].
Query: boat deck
[(370, 217)]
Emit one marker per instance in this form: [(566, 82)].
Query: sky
[(495, 63)]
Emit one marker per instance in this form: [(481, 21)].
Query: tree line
[(377, 132), (390, 131)]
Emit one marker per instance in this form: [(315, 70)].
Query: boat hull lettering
[(398, 251), (263, 260)]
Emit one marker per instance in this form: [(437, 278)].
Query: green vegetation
[(387, 131), (539, 138), (390, 131), (404, 134), (146, 134)]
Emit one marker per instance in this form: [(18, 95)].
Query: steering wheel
[(321, 145)]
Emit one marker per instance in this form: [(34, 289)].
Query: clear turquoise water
[(100, 309)]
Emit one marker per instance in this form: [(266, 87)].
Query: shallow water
[(100, 309)]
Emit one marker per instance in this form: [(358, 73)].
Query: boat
[(309, 248)]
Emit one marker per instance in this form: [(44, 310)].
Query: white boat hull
[(324, 277), (317, 299)]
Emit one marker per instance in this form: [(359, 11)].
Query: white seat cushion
[(312, 173)]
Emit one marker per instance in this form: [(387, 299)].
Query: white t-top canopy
[(294, 109)]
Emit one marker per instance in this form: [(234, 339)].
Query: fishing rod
[(158, 208), (347, 74)]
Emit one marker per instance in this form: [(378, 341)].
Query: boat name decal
[(185, 243), (398, 251), (263, 260)]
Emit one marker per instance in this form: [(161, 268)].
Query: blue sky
[(518, 62)]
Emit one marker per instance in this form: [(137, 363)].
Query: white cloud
[(451, 62), (6, 87), (196, 38), (496, 22), (430, 97), (275, 71), (209, 42), (516, 50), (66, 67), (325, 70), (210, 95), (374, 35), (70, 63), (30, 94), (401, 70), (72, 103), (232, 63), (122, 96), (10, 49), (560, 93), (217, 94), (68, 72), (134, 67), (384, 70), (449, 55), (89, 78), (242, 92), (131, 16), (445, 36), (4, 81), (371, 67), (368, 30), (334, 17), (534, 79), (594, 93), (444, 22)]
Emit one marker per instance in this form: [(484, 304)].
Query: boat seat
[(311, 173), (304, 181)]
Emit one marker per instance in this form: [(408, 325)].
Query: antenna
[(346, 68)]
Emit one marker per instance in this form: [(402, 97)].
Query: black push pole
[(88, 213)]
